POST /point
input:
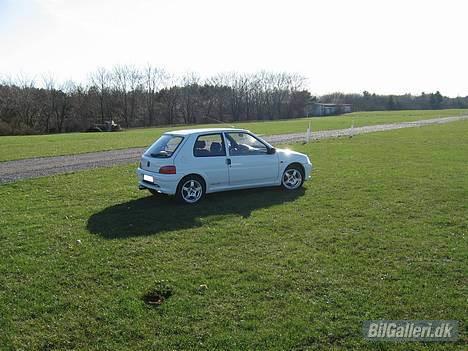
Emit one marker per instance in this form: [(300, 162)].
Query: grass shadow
[(154, 214)]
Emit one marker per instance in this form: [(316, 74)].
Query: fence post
[(308, 134)]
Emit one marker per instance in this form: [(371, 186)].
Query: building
[(319, 109)]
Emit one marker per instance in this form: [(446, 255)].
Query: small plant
[(159, 293)]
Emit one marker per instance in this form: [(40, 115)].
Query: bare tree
[(218, 96), (64, 105), (120, 78), (8, 112), (26, 105), (50, 102), (296, 84), (135, 81), (170, 96), (189, 97), (154, 79), (238, 84), (149, 96), (100, 79)]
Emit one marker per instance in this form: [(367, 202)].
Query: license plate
[(148, 178)]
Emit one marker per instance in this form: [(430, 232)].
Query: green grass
[(379, 233), (18, 147)]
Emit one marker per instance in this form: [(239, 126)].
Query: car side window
[(244, 144), (209, 145)]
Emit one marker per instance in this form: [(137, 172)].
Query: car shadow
[(155, 214)]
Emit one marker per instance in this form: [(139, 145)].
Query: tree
[(50, 102), (135, 78), (26, 103), (154, 79), (101, 82), (150, 96), (169, 97), (64, 104), (391, 103), (436, 100), (190, 98), (120, 78)]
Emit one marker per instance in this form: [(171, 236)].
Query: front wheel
[(191, 189), (293, 177)]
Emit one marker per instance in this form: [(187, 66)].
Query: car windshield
[(165, 146)]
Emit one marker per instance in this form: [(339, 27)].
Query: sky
[(382, 46)]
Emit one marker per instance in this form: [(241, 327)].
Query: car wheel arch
[(296, 164), (193, 175)]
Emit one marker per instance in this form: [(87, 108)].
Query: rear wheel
[(293, 177), (191, 189)]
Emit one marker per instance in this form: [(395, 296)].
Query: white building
[(319, 109)]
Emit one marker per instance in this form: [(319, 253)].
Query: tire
[(191, 189), (292, 178)]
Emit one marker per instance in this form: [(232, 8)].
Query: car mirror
[(271, 151)]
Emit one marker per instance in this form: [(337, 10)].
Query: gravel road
[(11, 171)]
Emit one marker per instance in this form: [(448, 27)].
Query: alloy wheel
[(292, 179), (191, 191)]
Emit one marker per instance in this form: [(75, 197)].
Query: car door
[(209, 151), (249, 162)]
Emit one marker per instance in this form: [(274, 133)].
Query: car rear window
[(165, 146)]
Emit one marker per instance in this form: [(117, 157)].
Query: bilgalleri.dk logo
[(410, 330)]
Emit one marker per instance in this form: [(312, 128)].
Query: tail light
[(167, 170)]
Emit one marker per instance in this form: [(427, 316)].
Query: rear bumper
[(163, 183)]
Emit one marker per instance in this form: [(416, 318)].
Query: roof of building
[(330, 105)]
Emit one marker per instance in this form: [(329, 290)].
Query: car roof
[(204, 130)]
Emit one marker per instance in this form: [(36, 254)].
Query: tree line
[(373, 102), (150, 96)]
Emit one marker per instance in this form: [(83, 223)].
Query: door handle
[(228, 161)]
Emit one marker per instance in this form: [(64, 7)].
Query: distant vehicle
[(190, 163), (107, 126)]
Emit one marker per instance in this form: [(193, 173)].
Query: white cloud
[(384, 46)]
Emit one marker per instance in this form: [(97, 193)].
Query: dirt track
[(11, 171)]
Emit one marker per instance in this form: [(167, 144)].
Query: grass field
[(379, 233), (18, 147)]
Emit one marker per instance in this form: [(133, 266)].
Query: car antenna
[(217, 120)]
